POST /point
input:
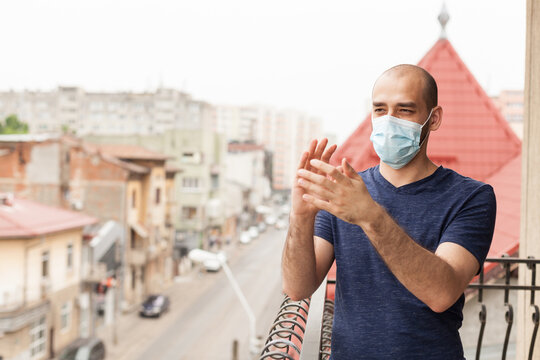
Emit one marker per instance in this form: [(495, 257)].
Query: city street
[(206, 316)]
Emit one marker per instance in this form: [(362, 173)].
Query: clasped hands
[(338, 190)]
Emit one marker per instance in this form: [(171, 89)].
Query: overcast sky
[(321, 57)]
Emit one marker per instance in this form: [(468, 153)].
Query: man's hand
[(316, 152), (340, 191)]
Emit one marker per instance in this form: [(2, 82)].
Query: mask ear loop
[(427, 134)]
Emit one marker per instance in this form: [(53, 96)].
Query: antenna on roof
[(443, 20)]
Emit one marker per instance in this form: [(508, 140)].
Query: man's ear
[(436, 118)]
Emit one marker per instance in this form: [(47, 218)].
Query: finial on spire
[(443, 20)]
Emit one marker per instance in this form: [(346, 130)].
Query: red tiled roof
[(27, 219), (474, 139), (243, 147), (132, 152), (507, 185)]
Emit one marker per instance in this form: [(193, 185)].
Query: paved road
[(206, 316)]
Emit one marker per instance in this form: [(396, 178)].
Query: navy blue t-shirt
[(375, 316)]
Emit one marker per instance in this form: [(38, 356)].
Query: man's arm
[(306, 259), (437, 279)]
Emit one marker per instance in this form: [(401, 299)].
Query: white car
[(270, 220), (281, 224), (245, 238), (212, 265), (253, 232)]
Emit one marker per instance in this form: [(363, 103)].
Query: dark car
[(84, 349), (154, 305)]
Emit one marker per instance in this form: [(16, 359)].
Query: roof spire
[(443, 19)]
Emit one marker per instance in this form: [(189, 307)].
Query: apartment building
[(75, 110), (42, 307), (131, 192), (199, 186), (510, 104)]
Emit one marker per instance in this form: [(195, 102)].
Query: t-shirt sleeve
[(323, 226), (474, 224)]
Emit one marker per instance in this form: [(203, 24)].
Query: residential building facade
[(42, 307)]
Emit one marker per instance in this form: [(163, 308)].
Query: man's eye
[(378, 110), (406, 110)]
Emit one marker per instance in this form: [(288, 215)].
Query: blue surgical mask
[(396, 141)]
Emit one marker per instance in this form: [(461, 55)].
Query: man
[(407, 235)]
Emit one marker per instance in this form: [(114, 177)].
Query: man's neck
[(419, 168)]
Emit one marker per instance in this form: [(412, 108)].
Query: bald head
[(429, 86)]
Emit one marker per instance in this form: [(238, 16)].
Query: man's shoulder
[(465, 184)]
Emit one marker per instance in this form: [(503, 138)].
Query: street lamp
[(200, 256)]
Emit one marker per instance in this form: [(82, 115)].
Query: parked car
[(84, 349), (253, 232), (270, 220), (262, 227), (281, 224), (245, 238), (154, 306), (211, 265)]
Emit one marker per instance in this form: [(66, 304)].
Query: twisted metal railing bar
[(326, 333), (286, 334), (507, 264)]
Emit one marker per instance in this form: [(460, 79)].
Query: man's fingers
[(320, 204), (328, 153), (349, 170), (315, 178), (320, 148), (303, 160), (327, 169), (312, 147), (315, 189)]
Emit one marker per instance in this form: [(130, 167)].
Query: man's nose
[(392, 112)]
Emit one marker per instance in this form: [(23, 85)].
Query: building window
[(70, 257), (45, 264), (191, 158), (38, 338), (190, 183), (215, 181), (133, 278), (133, 199), (189, 212), (158, 195), (65, 316)]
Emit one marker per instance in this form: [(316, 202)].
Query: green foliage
[(12, 125)]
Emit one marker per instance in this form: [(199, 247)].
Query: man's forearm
[(429, 277), (298, 263)]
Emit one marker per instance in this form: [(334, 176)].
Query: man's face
[(400, 95)]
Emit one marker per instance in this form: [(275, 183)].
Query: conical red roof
[(474, 139)]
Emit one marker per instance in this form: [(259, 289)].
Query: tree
[(12, 125)]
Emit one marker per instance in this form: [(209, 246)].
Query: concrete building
[(237, 123), (142, 201), (42, 307), (286, 133), (76, 110), (511, 105), (199, 194), (247, 173), (132, 192)]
